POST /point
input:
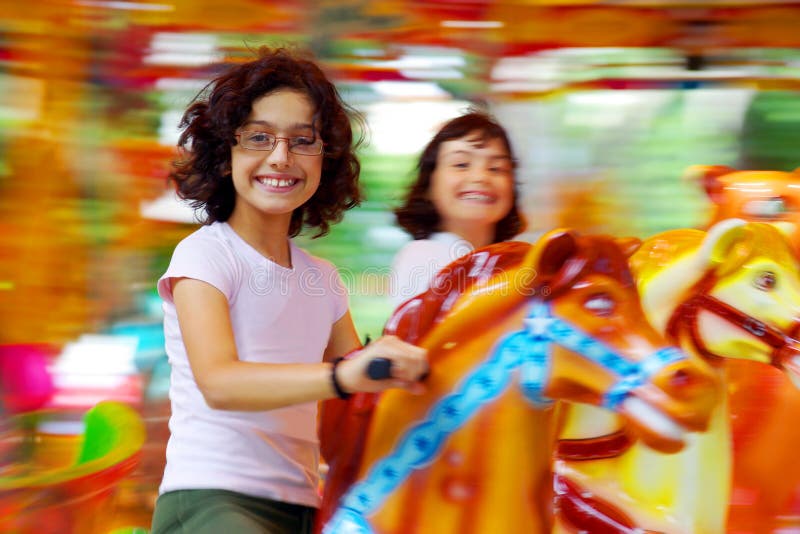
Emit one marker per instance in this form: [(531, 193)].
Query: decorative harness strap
[(528, 350), (686, 318), (595, 448), (587, 513)]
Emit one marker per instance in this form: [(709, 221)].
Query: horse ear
[(721, 240), (708, 177), (551, 251), (629, 245)]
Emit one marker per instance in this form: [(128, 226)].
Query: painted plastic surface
[(62, 482), (490, 470)]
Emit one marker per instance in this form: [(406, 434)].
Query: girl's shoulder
[(208, 239), (203, 255), (205, 233), (441, 246), (451, 240)]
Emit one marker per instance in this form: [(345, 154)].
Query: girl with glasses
[(255, 326), (464, 197)]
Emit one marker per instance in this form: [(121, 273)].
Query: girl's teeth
[(275, 182), (475, 196)]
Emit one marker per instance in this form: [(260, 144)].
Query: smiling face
[(272, 184), (473, 183)]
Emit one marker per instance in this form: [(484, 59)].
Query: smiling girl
[(465, 197), (255, 326)]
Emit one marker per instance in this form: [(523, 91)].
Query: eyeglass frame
[(288, 140)]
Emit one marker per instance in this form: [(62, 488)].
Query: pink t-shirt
[(415, 265), (279, 315)]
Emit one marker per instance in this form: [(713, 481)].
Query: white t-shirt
[(415, 265), (279, 315)]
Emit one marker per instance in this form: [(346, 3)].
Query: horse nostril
[(680, 378), (690, 384)]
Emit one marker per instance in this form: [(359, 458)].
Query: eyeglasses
[(253, 140)]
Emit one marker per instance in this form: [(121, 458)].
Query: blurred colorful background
[(608, 102)]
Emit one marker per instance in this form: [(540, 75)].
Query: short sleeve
[(414, 267), (339, 294), (200, 259)]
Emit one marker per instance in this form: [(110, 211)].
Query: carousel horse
[(508, 327), (65, 483), (766, 477), (731, 292)]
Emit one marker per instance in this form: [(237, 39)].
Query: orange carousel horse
[(731, 292), (766, 481), (508, 327)]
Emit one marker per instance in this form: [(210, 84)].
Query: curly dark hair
[(203, 174), (418, 215)]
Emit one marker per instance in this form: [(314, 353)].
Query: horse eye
[(601, 304), (765, 281), (770, 208)]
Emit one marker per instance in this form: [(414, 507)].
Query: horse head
[(733, 292), (752, 195), (526, 324)]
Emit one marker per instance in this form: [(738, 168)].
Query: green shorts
[(214, 511)]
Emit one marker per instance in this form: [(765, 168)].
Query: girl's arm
[(228, 383)]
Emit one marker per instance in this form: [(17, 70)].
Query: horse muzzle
[(679, 398)]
